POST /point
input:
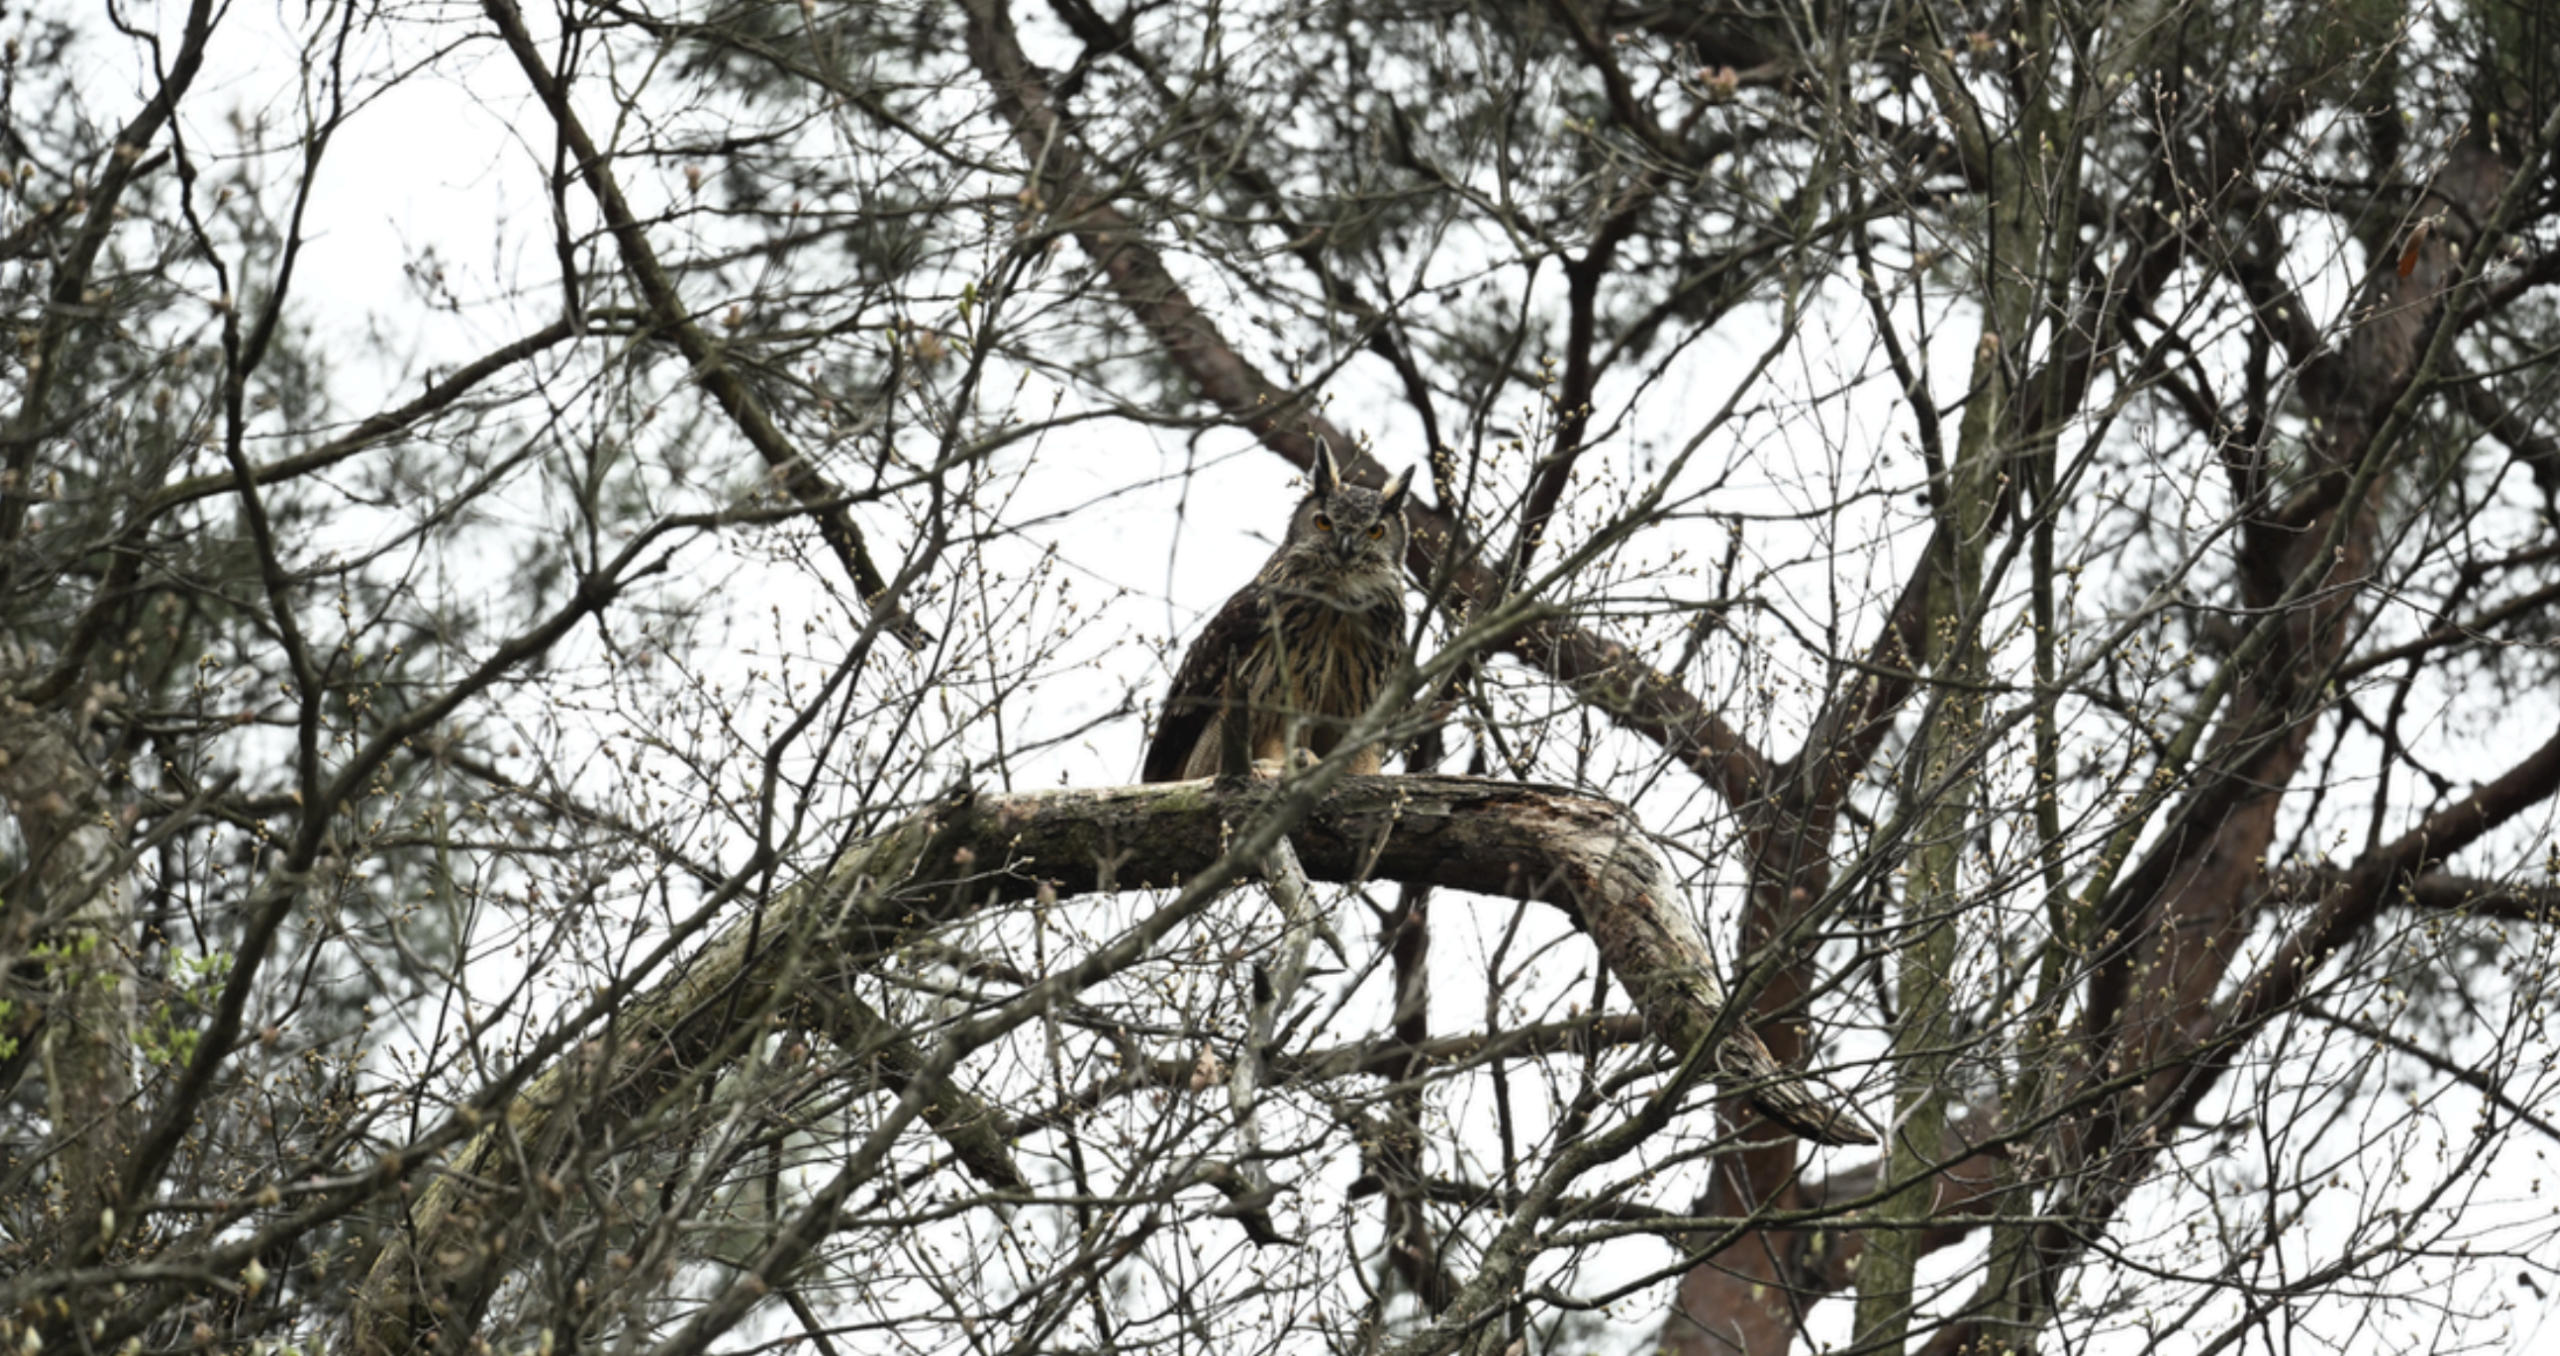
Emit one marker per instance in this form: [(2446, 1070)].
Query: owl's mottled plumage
[(1298, 654)]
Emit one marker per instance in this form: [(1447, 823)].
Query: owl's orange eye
[(1377, 530), (1323, 523)]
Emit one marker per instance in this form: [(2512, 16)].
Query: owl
[(1298, 654)]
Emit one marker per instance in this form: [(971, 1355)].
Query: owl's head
[(1347, 541)]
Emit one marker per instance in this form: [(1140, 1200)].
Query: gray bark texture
[(64, 970), (1532, 844)]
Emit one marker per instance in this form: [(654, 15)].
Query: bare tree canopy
[(580, 589)]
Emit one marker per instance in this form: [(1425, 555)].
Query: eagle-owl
[(1300, 652)]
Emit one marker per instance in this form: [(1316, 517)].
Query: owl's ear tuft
[(1393, 497), (1328, 475)]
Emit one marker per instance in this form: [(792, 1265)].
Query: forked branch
[(1503, 839)]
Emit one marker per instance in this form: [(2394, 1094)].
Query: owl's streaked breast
[(1335, 660)]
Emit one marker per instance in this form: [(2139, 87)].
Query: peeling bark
[(2156, 1016), (1504, 839)]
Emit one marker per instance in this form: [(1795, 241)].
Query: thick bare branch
[(1503, 839)]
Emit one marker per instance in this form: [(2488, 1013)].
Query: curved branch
[(1504, 839)]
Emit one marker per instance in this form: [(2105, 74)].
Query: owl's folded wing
[(1200, 685)]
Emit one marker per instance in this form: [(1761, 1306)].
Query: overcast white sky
[(440, 164)]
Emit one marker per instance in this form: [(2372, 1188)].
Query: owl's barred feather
[(1298, 654)]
